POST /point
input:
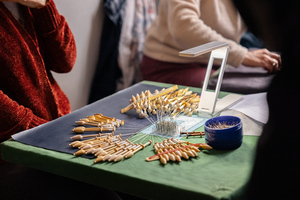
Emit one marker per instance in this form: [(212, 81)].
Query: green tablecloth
[(214, 174)]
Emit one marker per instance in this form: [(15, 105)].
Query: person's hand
[(263, 58), (30, 3)]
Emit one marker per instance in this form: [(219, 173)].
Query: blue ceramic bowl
[(224, 132)]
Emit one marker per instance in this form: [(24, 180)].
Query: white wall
[(85, 19)]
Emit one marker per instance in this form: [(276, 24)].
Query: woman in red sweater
[(34, 40)]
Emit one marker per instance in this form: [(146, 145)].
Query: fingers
[(263, 58), (270, 64), (275, 56), (273, 62)]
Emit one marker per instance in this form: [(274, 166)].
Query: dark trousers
[(188, 74)]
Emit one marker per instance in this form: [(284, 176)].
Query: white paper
[(254, 106), (250, 126)]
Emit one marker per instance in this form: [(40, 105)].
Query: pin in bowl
[(224, 132)]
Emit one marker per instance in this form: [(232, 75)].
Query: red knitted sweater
[(29, 95)]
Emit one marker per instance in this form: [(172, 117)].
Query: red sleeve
[(16, 117), (58, 43)]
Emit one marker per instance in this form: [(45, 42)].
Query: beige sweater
[(183, 24)]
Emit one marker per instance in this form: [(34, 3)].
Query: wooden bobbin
[(178, 151), (162, 159), (118, 153), (111, 155), (141, 146), (121, 156), (98, 119), (163, 92), (193, 133), (82, 129), (121, 122), (79, 152), (81, 123), (86, 121), (80, 137)]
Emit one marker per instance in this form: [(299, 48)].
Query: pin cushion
[(224, 132)]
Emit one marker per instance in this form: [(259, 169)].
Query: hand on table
[(263, 58), (30, 3)]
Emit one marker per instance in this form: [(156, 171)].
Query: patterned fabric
[(137, 20), (145, 13), (114, 9)]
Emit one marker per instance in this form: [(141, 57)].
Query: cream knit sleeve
[(188, 30)]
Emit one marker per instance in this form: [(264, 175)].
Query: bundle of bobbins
[(171, 101), (174, 149), (100, 122), (161, 108), (106, 147)]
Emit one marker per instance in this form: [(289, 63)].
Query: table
[(214, 174)]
